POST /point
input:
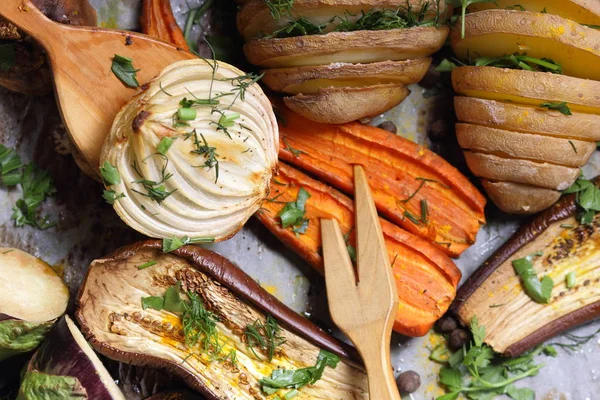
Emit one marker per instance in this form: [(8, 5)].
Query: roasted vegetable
[(541, 35), (193, 154), (158, 21), (208, 344), (32, 297), (558, 246), (425, 276), (66, 368), (402, 175)]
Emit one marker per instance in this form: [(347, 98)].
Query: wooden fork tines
[(363, 303)]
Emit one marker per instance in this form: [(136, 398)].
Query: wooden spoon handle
[(25, 15), (376, 356)]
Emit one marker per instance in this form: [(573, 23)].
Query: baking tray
[(88, 228)]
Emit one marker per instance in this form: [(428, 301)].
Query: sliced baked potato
[(522, 118), (517, 198), (310, 79), (347, 104), (255, 19), (346, 47), (496, 33), (540, 174), (527, 87), (580, 11), (505, 143)]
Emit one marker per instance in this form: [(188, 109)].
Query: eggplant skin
[(565, 209), (18, 336), (39, 386)]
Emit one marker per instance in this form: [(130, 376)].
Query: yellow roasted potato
[(528, 146), (521, 118), (254, 18), (580, 11), (341, 105), (527, 87), (346, 47), (517, 198), (311, 79), (551, 176), (496, 33)]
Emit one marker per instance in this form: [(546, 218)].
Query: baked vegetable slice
[(196, 314), (527, 87), (495, 294), (523, 118), (32, 297), (519, 198), (573, 46), (65, 367), (581, 11), (425, 276), (402, 174)]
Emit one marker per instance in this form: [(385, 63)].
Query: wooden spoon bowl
[(88, 94)]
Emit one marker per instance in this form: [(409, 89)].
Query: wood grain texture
[(363, 304), (89, 95)]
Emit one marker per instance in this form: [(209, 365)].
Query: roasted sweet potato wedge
[(425, 276), (402, 174), (518, 323), (158, 21)]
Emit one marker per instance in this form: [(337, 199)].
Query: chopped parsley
[(558, 106), (174, 243), (293, 214), (587, 197), (538, 290), (123, 69)]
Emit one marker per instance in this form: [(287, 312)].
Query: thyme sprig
[(154, 190), (208, 152)]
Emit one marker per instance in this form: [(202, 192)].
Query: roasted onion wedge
[(310, 79), (32, 297), (223, 140), (255, 19), (517, 323), (111, 315), (346, 47), (65, 367)]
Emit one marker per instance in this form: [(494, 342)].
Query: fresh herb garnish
[(193, 18), (8, 57), (576, 341), (558, 106), (10, 166), (37, 185), (279, 8), (295, 152), (587, 197), (111, 196), (147, 264), (570, 280), (154, 190), (264, 336), (520, 61), (110, 174), (538, 290), (174, 243), (164, 145), (123, 69), (292, 215), (209, 153), (170, 302), (463, 4), (351, 249), (200, 327), (296, 379)]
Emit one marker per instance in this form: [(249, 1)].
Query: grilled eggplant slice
[(517, 323), (112, 318), (32, 297), (65, 367)]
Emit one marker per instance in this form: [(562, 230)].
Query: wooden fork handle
[(376, 357), (25, 15)]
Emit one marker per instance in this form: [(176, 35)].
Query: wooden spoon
[(88, 94)]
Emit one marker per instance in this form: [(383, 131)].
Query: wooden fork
[(363, 304)]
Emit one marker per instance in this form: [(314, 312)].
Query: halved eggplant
[(65, 367), (494, 294), (113, 319), (32, 297)]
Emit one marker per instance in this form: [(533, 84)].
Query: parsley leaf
[(292, 215), (10, 166), (37, 185), (110, 174), (123, 69), (111, 196), (587, 196), (153, 302), (558, 106), (538, 291), (170, 302), (174, 243)]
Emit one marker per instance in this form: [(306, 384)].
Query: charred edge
[(139, 120), (554, 328), (6, 317), (565, 208), (241, 285)]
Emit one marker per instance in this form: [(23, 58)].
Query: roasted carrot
[(158, 21), (426, 277), (412, 186)]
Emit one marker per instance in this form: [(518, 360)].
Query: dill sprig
[(203, 149), (154, 190), (264, 336), (279, 8)]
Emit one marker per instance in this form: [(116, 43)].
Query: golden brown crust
[(517, 198), (505, 143), (521, 118), (347, 104), (350, 47), (385, 72), (526, 87), (545, 175)]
